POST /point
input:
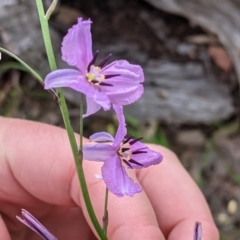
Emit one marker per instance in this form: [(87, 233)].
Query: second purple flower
[(123, 151), (118, 83)]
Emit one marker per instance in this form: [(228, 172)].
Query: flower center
[(94, 75), (126, 153)]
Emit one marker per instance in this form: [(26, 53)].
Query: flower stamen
[(104, 61), (127, 139), (125, 149), (128, 164), (139, 151), (111, 76), (133, 161), (94, 75), (105, 84), (93, 60), (125, 153), (135, 140)]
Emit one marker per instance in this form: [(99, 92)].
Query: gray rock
[(20, 33), (219, 17), (186, 49), (175, 93), (182, 93), (121, 50), (193, 138), (229, 149)]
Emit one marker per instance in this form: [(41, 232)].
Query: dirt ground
[(210, 152)]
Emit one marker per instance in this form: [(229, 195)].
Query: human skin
[(37, 173)]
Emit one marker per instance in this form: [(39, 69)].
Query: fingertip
[(140, 231), (185, 230), (129, 217)]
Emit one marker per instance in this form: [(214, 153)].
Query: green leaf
[(27, 67)]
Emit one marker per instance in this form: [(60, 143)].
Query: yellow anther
[(125, 155), (102, 77), (97, 69), (94, 75), (90, 76)]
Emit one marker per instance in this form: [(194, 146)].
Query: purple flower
[(197, 231), (117, 83), (35, 225), (123, 151)]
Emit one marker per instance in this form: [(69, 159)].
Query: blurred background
[(190, 53)]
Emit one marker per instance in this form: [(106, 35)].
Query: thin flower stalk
[(105, 216), (65, 115)]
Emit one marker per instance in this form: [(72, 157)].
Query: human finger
[(4, 234), (39, 157), (129, 217), (176, 199)]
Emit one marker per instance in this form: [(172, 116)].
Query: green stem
[(105, 216), (81, 125), (62, 103), (46, 35)]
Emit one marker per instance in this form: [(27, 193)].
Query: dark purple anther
[(93, 60), (111, 76), (127, 139), (127, 163), (138, 152), (135, 140), (104, 61), (105, 84), (135, 162), (94, 81), (125, 149)]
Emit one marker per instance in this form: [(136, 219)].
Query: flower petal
[(94, 96), (129, 72), (122, 130), (101, 137), (77, 45), (145, 159), (93, 107), (73, 79), (127, 87), (31, 222), (125, 95), (116, 179), (62, 78), (98, 152)]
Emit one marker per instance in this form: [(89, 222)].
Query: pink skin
[(37, 173)]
